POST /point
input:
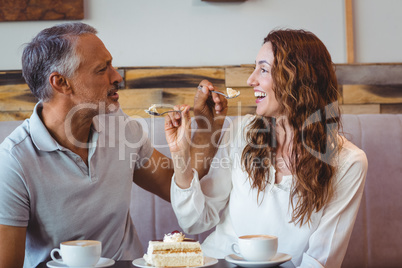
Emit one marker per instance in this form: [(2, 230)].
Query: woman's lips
[(260, 95), (258, 100)]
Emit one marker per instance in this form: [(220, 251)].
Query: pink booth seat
[(376, 240), (377, 235)]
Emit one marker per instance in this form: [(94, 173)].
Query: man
[(66, 173)]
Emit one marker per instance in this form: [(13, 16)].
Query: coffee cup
[(78, 253), (256, 247)]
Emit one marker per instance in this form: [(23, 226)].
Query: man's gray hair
[(52, 50)]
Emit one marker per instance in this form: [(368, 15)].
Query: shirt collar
[(39, 133), (98, 123)]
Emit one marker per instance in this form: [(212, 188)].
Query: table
[(221, 264)]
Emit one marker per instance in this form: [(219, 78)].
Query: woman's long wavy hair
[(306, 87)]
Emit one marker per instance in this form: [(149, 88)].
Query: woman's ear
[(59, 83)]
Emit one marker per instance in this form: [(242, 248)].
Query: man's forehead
[(91, 48), (89, 42)]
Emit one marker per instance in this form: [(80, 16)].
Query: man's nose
[(116, 78)]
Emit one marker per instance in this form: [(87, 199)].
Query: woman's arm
[(178, 137), (198, 206)]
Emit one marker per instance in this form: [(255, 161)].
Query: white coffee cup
[(78, 253), (256, 247)]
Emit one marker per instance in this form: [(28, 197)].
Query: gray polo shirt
[(52, 192)]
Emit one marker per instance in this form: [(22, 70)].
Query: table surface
[(221, 264)]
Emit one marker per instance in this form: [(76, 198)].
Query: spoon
[(223, 94), (160, 114)]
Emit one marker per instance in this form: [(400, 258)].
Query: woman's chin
[(257, 112), (260, 111)]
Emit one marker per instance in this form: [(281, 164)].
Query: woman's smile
[(260, 95)]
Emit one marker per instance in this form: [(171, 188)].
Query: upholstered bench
[(377, 235)]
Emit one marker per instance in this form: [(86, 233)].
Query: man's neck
[(70, 132)]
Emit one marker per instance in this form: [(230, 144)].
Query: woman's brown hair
[(306, 87)]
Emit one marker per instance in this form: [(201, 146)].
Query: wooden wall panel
[(173, 77), (350, 50), (364, 94), (366, 88), (139, 98), (15, 115), (361, 109), (176, 96), (11, 78), (391, 108), (369, 74), (237, 76), (16, 100)]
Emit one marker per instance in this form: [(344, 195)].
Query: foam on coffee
[(82, 243), (257, 237)]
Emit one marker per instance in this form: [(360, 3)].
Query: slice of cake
[(153, 108), (231, 92), (174, 251)]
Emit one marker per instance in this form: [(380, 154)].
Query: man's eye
[(103, 69)]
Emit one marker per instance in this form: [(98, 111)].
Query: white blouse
[(225, 199)]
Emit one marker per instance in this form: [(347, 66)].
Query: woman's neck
[(284, 136), (284, 143)]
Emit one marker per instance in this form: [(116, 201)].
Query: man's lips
[(113, 94)]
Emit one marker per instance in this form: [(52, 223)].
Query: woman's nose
[(251, 80)]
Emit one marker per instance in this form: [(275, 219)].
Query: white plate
[(103, 262), (140, 262), (278, 259)]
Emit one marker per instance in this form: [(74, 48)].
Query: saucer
[(140, 262), (239, 261), (103, 262)]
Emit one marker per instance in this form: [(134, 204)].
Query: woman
[(299, 180)]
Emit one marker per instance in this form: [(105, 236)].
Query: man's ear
[(59, 83)]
